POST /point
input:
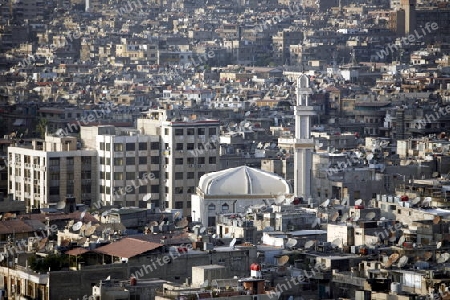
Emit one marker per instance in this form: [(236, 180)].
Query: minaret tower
[(303, 143)]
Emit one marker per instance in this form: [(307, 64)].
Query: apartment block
[(129, 165), (45, 172), (189, 150)]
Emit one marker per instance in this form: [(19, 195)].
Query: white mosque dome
[(243, 181)]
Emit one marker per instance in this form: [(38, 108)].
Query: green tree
[(41, 127)]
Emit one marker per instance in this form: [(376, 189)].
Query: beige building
[(48, 171), (189, 150), (129, 165)]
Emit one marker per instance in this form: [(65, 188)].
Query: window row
[(128, 146)]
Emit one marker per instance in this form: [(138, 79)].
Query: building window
[(201, 160), (201, 131), (143, 189), (130, 176), (118, 176), (190, 175), (118, 147), (212, 160), (154, 188), (179, 146), (142, 146), (178, 175), (102, 146), (179, 131), (212, 131), (130, 146), (108, 147), (225, 207), (166, 131), (130, 161), (211, 207), (142, 160), (179, 161), (154, 146), (118, 161), (190, 146), (178, 204), (154, 160), (190, 131)]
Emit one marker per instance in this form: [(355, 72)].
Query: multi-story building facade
[(189, 149), (48, 171), (129, 165)]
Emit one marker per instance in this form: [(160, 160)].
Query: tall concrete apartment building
[(128, 168), (45, 172), (189, 149)]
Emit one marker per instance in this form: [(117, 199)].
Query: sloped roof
[(127, 248)]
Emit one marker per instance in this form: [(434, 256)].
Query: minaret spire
[(303, 143)]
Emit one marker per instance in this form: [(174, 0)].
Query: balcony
[(348, 278)]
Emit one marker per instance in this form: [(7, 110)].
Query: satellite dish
[(344, 217), (77, 226), (182, 223), (426, 201), (403, 261), (291, 243), (147, 197), (337, 242), (443, 258), (192, 237), (90, 231), (334, 217), (202, 230), (401, 241), (392, 238), (2, 257), (356, 219), (325, 203), (177, 215), (214, 236), (436, 220), (82, 214), (382, 218), (316, 222), (370, 216), (247, 113), (394, 257), (154, 223), (61, 205), (439, 245), (233, 242), (415, 201), (358, 202), (369, 156), (309, 244), (282, 260), (427, 255)]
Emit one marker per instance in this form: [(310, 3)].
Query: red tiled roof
[(77, 251), (127, 248)]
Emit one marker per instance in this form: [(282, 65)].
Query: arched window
[(211, 207), (225, 207)]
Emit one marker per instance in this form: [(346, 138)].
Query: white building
[(189, 149), (129, 165), (233, 190), (48, 171)]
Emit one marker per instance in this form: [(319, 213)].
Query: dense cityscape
[(240, 149)]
